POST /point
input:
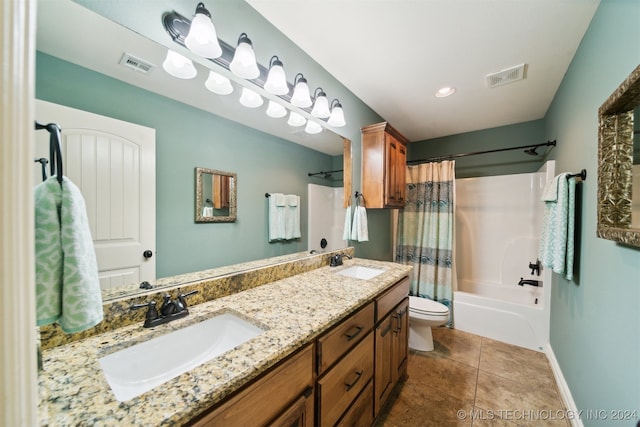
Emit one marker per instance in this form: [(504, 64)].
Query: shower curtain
[(425, 231)]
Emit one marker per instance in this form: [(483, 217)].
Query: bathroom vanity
[(332, 349)]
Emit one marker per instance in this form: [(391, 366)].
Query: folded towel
[(557, 238), (279, 199), (346, 232), (550, 192), (276, 217), (292, 218), (359, 227), (67, 283)]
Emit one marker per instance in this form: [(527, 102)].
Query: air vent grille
[(137, 64), (509, 75)]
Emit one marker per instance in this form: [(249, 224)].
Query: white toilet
[(423, 314)]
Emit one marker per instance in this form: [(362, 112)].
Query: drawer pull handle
[(352, 383), (353, 332)]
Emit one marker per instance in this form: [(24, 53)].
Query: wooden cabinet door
[(401, 340), (384, 369), (399, 170), (299, 414)]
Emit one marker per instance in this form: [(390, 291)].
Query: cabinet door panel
[(385, 370)]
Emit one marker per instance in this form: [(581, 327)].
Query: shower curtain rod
[(453, 156)]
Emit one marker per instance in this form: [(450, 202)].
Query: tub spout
[(523, 282)]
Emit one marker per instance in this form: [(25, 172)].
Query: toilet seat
[(427, 307)]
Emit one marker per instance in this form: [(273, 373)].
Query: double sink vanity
[(319, 347)]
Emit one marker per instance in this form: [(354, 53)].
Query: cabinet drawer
[(391, 298), (340, 385), (340, 339), (268, 396), (361, 412)]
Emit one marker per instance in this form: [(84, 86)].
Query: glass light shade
[(179, 66), (219, 84), (244, 63), (337, 117), (312, 127), (202, 38), (296, 119), (276, 83), (250, 98), (321, 107), (276, 110), (301, 97), (445, 91)]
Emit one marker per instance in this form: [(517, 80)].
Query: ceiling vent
[(509, 75), (137, 64)]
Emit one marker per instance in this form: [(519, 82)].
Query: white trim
[(18, 372), (565, 393)]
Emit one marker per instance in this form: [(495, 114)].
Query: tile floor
[(469, 380)]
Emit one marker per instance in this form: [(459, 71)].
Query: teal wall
[(187, 137), (595, 319), (502, 163)]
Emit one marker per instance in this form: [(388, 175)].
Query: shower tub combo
[(498, 223)]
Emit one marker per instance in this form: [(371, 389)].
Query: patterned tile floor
[(473, 381)]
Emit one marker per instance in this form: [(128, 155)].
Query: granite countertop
[(295, 311)]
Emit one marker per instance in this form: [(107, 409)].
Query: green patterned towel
[(557, 239), (67, 283)]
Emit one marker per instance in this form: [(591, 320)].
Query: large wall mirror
[(215, 195), (619, 165)]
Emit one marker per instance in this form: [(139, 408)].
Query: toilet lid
[(427, 306)]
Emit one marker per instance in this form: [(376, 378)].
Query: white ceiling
[(392, 54), (395, 54)]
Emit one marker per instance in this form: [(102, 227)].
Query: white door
[(113, 164)]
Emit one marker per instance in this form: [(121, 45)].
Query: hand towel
[(292, 217), (346, 231), (557, 238), (276, 217), (68, 292), (359, 227)]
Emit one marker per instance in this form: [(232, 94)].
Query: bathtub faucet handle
[(535, 268)]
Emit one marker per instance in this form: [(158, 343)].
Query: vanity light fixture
[(244, 62), (276, 83), (179, 66), (250, 99), (218, 83), (312, 127), (337, 115), (300, 97), (202, 38), (321, 104), (276, 110), (445, 91), (296, 119)]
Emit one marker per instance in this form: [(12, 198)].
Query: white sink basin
[(140, 368), (361, 272)]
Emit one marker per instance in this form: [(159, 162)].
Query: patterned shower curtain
[(425, 231)]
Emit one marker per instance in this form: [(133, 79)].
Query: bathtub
[(498, 224), (515, 315)]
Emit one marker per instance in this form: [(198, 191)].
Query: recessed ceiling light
[(445, 91)]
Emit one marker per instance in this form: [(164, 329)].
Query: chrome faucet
[(169, 310)]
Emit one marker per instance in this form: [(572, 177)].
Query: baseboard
[(565, 393)]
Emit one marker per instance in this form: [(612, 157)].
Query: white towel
[(67, 284), (207, 211), (292, 217), (360, 228), (276, 217), (346, 232)]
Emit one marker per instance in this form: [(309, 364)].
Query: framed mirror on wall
[(618, 207), (215, 195)]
